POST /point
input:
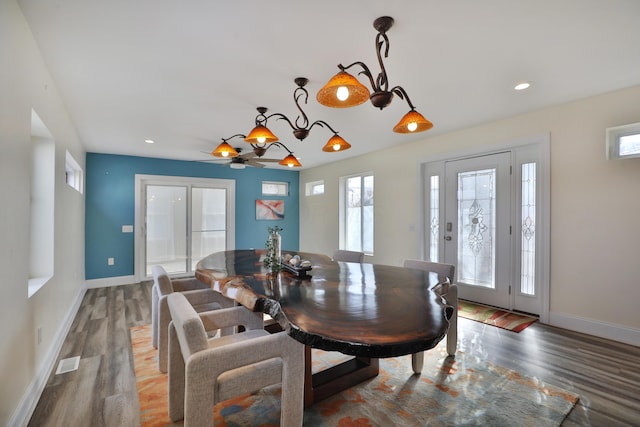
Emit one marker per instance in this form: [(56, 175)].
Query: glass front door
[(477, 226)]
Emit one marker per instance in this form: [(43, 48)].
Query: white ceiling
[(188, 73)]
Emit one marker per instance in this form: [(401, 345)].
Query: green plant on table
[(272, 246)]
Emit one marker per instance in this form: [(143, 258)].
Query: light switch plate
[(127, 228)]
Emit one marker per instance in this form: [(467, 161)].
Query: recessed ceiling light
[(149, 141), (522, 86)]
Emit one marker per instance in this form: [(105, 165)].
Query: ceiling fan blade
[(269, 160), (254, 163)]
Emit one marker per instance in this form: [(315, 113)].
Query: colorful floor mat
[(494, 316)]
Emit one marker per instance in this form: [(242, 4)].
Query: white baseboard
[(110, 281), (615, 332), (27, 405)]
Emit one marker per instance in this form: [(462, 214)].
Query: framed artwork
[(269, 209)]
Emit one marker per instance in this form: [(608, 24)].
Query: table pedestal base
[(324, 384)]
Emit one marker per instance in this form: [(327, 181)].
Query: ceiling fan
[(252, 158), (232, 157)]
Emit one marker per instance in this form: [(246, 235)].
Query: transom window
[(623, 141), (275, 188)]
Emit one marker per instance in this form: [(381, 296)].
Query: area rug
[(460, 391), (494, 316)]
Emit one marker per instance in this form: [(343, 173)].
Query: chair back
[(189, 327), (161, 280), (347, 256), (441, 269)]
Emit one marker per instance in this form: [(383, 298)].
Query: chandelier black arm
[(231, 137), (365, 71), (322, 123), (279, 144), (382, 81), (398, 90)]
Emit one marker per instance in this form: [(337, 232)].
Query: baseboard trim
[(110, 281), (22, 415), (611, 331)]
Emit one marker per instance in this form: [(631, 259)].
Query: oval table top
[(366, 310)]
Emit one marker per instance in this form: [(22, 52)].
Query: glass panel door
[(182, 220), (208, 222), (166, 228), (477, 229)]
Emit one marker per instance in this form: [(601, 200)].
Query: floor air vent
[(68, 365)]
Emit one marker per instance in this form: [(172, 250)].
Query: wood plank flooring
[(102, 392)]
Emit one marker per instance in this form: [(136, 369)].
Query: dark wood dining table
[(369, 311)]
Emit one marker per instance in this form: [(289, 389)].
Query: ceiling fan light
[(260, 134), (412, 122), (336, 143), (224, 150), (237, 165), (290, 161), (342, 91)]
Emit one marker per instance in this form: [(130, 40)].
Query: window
[(623, 141), (74, 175), (314, 188), (275, 188), (434, 221), (528, 229), (356, 213)]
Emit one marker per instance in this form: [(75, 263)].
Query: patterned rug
[(460, 391), (494, 316)]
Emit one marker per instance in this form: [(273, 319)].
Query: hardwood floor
[(102, 392)]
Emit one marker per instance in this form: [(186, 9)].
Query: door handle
[(447, 238)]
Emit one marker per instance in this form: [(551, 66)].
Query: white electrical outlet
[(110, 261)]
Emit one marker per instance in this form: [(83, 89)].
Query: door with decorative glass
[(488, 215), (477, 222)]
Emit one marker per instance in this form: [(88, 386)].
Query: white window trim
[(277, 184), (310, 186), (613, 140), (75, 174), (342, 209)]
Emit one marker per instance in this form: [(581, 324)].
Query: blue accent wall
[(110, 204)]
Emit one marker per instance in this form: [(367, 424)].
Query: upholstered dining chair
[(204, 371), (199, 295), (450, 294), (347, 256)]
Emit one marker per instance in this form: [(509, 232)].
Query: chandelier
[(301, 127), (344, 90)]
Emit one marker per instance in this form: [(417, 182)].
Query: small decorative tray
[(301, 272)]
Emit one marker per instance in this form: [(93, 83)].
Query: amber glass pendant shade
[(336, 143), (224, 150), (290, 161), (412, 122), (343, 91), (261, 134)]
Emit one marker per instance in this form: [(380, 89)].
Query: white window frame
[(311, 188), (343, 204), (275, 188), (74, 175), (614, 136)]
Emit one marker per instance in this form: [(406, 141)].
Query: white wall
[(595, 205), (25, 84)]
